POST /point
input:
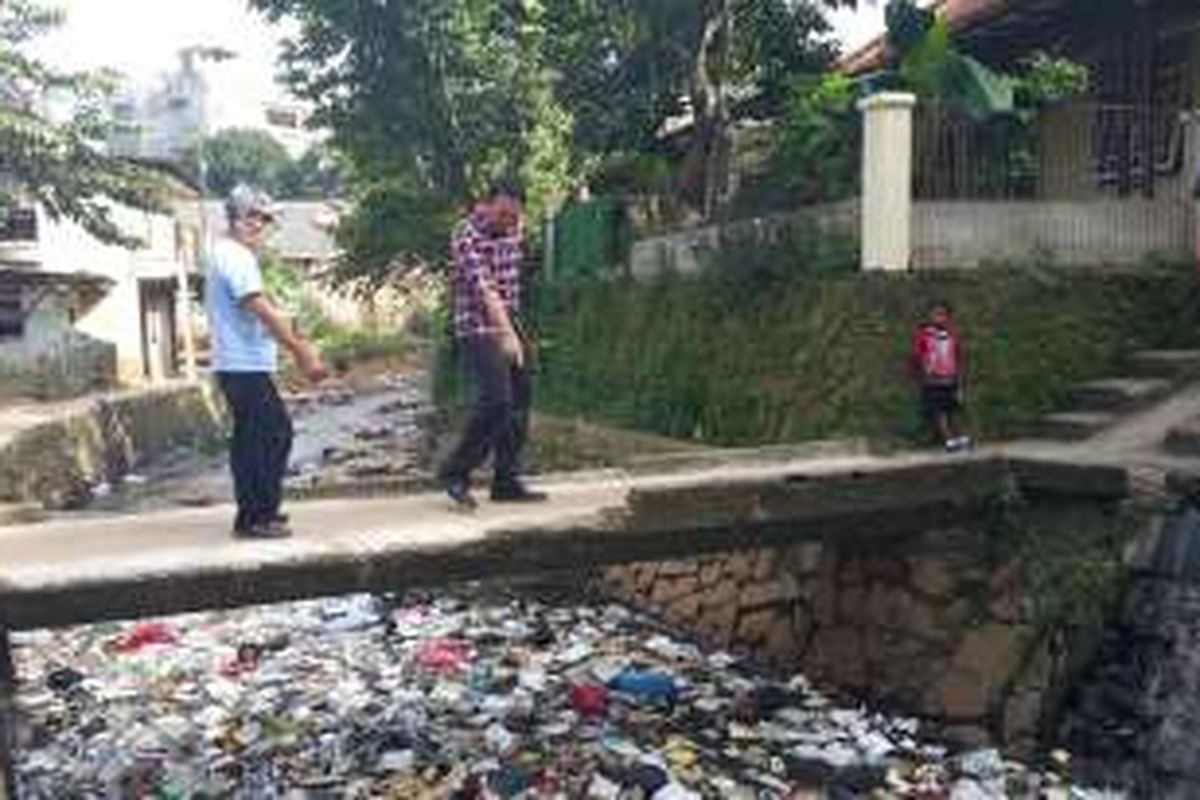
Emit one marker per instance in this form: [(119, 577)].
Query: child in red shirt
[(937, 359)]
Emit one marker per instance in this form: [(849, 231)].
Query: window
[(12, 313), (19, 226)]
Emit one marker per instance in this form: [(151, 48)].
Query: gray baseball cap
[(245, 200)]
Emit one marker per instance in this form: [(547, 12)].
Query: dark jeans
[(499, 422), (261, 444)]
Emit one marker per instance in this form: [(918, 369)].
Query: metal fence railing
[(1086, 184), (1078, 151)]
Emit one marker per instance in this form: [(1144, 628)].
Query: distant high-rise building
[(170, 120)]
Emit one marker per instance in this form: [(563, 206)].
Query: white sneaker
[(958, 444)]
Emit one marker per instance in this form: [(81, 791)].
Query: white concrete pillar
[(1191, 177), (887, 180)]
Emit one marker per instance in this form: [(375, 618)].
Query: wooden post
[(8, 710)]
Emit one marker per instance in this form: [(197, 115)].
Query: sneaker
[(459, 490), (274, 529), (238, 525), (517, 493), (958, 444)]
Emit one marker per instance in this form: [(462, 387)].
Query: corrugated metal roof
[(304, 230)]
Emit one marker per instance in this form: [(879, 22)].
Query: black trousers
[(499, 422), (261, 444)]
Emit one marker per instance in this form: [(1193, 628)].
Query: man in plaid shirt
[(486, 246)]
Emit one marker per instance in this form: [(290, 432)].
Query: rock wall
[(57, 462), (946, 625), (1133, 718), (67, 366)]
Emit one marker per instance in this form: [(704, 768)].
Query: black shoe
[(238, 525), (517, 493), (459, 490), (273, 529)]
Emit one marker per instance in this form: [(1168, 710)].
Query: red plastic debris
[(589, 701), (143, 635), (444, 655), (246, 660)]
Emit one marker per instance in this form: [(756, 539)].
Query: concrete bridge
[(123, 567), (89, 570)]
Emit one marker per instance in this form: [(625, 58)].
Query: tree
[(427, 100), (316, 175), (244, 155), (247, 155), (61, 165), (626, 68)]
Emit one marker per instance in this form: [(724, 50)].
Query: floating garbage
[(470, 694)]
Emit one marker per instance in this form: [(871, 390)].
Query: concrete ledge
[(122, 567), (55, 460)]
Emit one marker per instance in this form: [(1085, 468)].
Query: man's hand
[(512, 348), (309, 362)]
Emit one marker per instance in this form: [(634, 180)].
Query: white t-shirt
[(241, 343)]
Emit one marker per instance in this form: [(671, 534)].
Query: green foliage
[(60, 165), (1071, 565), (816, 154), (428, 101), (633, 173), (933, 68), (342, 347), (316, 174), (286, 288), (1045, 80), (794, 356), (241, 155), (774, 42), (926, 60)]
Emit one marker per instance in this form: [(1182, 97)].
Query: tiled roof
[(304, 230)]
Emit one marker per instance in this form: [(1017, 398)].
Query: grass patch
[(741, 359), (566, 445), (356, 346)]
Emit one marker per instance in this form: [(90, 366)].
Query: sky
[(856, 28), (141, 38)]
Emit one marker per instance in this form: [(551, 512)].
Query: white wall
[(965, 234), (65, 247), (691, 251)]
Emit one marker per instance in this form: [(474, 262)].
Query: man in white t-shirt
[(246, 330)]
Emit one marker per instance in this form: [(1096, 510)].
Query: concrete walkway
[(126, 567), (1134, 442)]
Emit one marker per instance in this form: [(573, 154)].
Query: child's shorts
[(937, 400)]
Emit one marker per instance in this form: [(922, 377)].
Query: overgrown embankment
[(57, 461), (741, 357)]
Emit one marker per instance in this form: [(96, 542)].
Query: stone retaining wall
[(57, 462), (944, 625)]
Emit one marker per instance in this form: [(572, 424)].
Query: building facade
[(77, 314)]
